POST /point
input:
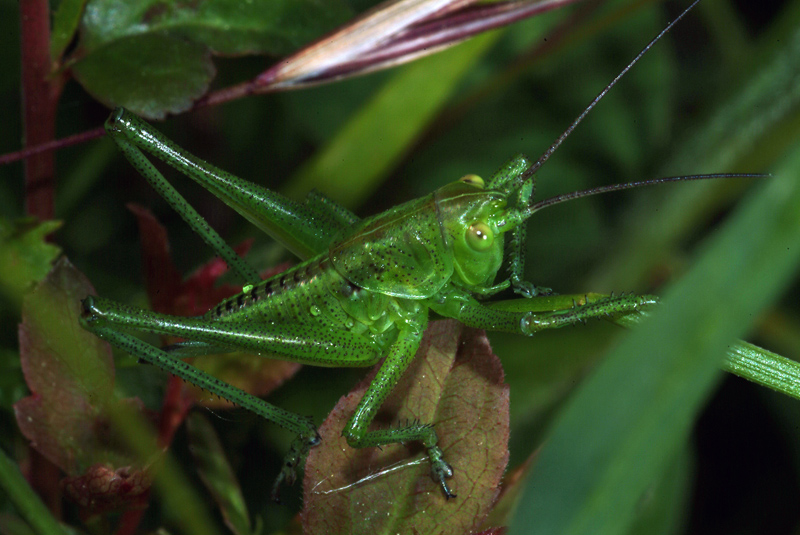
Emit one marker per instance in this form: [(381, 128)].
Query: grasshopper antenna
[(557, 143), (630, 185)]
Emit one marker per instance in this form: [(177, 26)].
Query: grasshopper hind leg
[(307, 434)]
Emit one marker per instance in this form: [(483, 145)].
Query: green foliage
[(718, 95), (25, 258), (669, 367)]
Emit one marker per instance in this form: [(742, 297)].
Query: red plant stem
[(55, 144), (173, 411), (39, 97), (40, 93)]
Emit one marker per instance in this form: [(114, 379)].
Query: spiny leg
[(398, 359), (508, 178), (306, 431), (192, 348), (304, 230), (319, 346), (185, 210), (304, 343), (611, 306), (519, 240)]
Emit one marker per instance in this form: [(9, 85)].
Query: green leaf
[(455, 383), (154, 57), (150, 74), (663, 508), (753, 363), (25, 256), (765, 368), (70, 373), (26, 501), (274, 27), (66, 19), (216, 473)]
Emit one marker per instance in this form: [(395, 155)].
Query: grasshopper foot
[(89, 313), (527, 289), (297, 454), (441, 470)]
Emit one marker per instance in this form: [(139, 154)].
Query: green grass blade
[(751, 362), (616, 436), (765, 368), (25, 500)]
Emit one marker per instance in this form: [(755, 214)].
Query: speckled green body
[(313, 293), (377, 277), (362, 294)]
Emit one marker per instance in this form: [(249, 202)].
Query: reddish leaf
[(162, 279), (200, 292), (71, 376), (167, 292), (69, 371), (454, 382)]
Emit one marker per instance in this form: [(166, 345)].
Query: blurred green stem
[(25, 500)]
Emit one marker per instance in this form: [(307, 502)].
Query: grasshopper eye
[(472, 180), (479, 237)]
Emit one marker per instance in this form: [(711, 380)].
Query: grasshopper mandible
[(365, 287)]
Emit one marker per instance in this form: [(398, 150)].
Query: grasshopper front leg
[(463, 307), (398, 359)]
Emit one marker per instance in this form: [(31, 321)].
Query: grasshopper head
[(468, 215), (475, 218)]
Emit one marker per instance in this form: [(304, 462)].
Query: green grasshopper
[(364, 289)]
